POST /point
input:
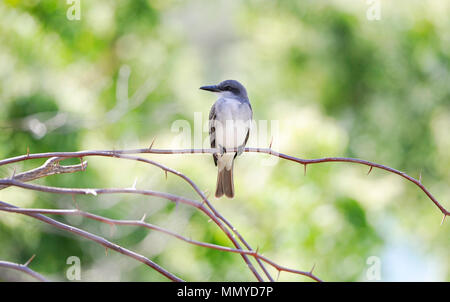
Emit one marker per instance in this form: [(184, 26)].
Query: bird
[(230, 120)]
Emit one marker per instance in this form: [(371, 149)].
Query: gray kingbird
[(229, 128)]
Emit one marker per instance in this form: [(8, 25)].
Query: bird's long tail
[(225, 182)]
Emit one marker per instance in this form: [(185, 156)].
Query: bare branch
[(23, 268), (214, 215), (50, 167), (211, 207), (100, 240), (355, 161), (141, 223), (113, 153), (118, 154), (171, 197)]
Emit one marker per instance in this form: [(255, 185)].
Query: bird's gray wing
[(248, 133), (246, 138), (248, 130), (212, 131)]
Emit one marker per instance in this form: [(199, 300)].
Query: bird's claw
[(240, 150), (222, 150)]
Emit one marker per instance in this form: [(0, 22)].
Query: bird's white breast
[(233, 120)]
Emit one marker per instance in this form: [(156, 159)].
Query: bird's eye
[(227, 88)]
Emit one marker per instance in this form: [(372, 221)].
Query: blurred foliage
[(337, 83)]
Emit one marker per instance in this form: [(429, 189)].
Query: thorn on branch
[(312, 269), (271, 141), (106, 251), (91, 191), (443, 219), (28, 151), (134, 184), (29, 260), (278, 274), (143, 217), (304, 172), (370, 170), (165, 172), (151, 145)]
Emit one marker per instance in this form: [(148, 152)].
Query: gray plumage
[(229, 128)]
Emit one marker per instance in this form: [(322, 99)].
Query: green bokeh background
[(334, 82)]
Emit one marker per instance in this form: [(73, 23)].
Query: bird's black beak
[(212, 88)]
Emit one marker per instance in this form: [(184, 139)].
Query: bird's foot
[(240, 150), (222, 150)]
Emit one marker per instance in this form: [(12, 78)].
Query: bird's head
[(228, 88)]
